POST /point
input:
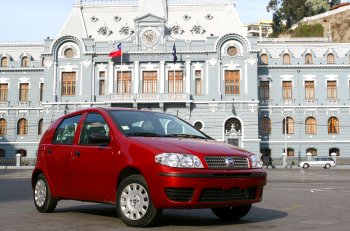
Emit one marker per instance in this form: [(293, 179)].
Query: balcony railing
[(23, 103), (310, 101), (288, 101), (150, 97), (4, 103), (332, 101)]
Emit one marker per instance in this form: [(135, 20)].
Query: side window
[(64, 134), (94, 131)]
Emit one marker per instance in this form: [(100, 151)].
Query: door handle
[(77, 153)]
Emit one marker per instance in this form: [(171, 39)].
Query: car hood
[(191, 146)]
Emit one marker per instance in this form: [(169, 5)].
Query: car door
[(91, 163), (58, 154)]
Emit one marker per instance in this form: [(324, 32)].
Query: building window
[(232, 82), (101, 82), (334, 150), (264, 90), (313, 151), (310, 126), (3, 127), (264, 60), (69, 53), (198, 125), (330, 59), (2, 153), (333, 125), (149, 84), (4, 62), (290, 151), (41, 93), (287, 89), (40, 126), (286, 59), (331, 89), (124, 82), (232, 51), (178, 82), (25, 61), (68, 83), (265, 126), (289, 126), (309, 90), (3, 91), (22, 127), (23, 152), (23, 91), (198, 82), (308, 59)]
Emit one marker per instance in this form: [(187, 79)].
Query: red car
[(143, 162)]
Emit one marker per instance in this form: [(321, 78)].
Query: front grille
[(231, 195), (220, 162), (179, 194)]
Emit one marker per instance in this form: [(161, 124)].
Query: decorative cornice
[(305, 66), (27, 69)]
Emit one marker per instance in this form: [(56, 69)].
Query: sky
[(26, 20)]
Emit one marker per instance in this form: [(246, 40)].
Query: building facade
[(234, 87)]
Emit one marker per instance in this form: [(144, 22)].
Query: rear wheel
[(43, 200), (232, 213), (327, 166), (134, 205), (306, 166)]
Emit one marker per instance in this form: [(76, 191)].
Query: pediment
[(149, 18)]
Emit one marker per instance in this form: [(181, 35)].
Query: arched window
[(286, 59), (333, 125), (334, 150), (3, 127), (40, 126), (25, 61), (310, 125), (289, 126), (4, 62), (308, 59), (313, 151), (330, 58), (2, 153), (264, 59), (22, 127), (265, 126), (23, 152)]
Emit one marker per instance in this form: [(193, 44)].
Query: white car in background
[(320, 161)]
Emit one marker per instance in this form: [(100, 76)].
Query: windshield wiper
[(145, 134), (186, 136)]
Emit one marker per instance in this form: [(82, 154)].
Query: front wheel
[(327, 166), (232, 213), (306, 166), (134, 204), (43, 200)]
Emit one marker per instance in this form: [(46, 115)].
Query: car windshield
[(153, 124)]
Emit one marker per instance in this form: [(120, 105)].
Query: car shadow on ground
[(182, 217)]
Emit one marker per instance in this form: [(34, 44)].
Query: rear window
[(65, 133)]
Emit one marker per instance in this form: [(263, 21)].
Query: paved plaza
[(294, 199)]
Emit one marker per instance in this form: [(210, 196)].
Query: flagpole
[(121, 72)]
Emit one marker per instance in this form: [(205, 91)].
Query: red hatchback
[(143, 162)]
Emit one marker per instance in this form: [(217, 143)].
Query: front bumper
[(208, 189)]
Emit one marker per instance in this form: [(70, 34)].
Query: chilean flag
[(117, 52)]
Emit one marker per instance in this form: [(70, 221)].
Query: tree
[(288, 12), (313, 7)]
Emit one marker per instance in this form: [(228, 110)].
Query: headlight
[(256, 161), (179, 160)]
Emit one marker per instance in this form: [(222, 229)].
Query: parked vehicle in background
[(143, 162), (320, 161)]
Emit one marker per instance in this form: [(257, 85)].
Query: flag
[(174, 53), (116, 52)]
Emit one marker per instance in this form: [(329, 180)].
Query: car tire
[(327, 166), (306, 165), (232, 213), (134, 204), (43, 199)]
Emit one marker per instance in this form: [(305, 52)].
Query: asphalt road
[(312, 199)]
